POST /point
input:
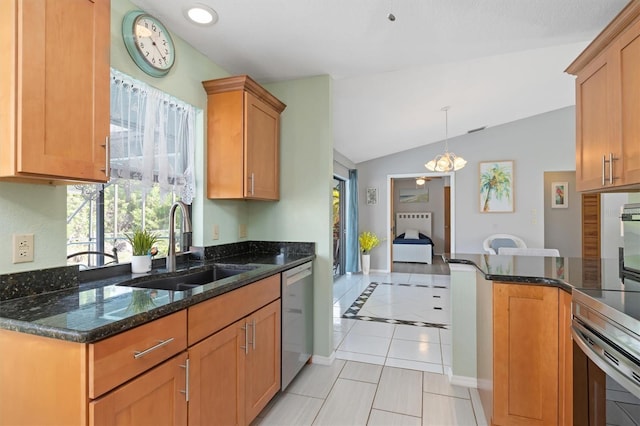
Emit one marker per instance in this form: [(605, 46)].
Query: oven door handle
[(612, 362)]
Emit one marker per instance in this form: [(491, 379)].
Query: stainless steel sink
[(189, 281)]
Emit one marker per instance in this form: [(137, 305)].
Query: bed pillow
[(411, 234), (503, 242)]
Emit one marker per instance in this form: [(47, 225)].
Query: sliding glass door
[(338, 226)]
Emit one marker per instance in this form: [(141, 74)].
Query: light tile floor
[(384, 374)]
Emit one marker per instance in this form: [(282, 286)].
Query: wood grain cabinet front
[(607, 107), (54, 90), (532, 355), (152, 374), (158, 397), (115, 360), (243, 140), (235, 372)]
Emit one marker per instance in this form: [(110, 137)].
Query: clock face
[(149, 43)]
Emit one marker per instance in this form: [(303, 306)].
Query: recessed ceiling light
[(201, 14)]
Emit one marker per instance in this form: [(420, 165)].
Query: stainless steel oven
[(631, 229), (606, 335)]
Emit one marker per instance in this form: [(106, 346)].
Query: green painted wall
[(306, 171), (41, 209), (185, 82), (302, 214), (33, 209)]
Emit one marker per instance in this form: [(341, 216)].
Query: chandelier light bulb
[(448, 161)]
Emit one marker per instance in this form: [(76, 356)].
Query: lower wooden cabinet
[(532, 355), (262, 367), (158, 397), (235, 372), (150, 375)]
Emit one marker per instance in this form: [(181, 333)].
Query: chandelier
[(448, 161)]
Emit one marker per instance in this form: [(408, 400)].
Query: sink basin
[(189, 281)]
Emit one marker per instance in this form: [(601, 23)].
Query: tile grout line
[(324, 400)]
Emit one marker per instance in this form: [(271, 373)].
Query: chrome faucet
[(186, 228)]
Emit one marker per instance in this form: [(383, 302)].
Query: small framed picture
[(372, 196), (559, 195)]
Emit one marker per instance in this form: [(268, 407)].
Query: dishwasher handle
[(296, 274)]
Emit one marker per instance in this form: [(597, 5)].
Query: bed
[(413, 238)]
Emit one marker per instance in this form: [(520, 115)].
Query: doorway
[(338, 228), (445, 215)]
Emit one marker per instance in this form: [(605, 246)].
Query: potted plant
[(368, 241), (142, 243)]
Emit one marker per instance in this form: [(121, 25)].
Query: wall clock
[(149, 43)]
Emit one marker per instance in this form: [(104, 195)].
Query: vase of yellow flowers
[(368, 240)]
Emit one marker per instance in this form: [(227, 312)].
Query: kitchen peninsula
[(511, 319), (84, 351)]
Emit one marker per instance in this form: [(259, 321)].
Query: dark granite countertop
[(93, 310), (566, 273)]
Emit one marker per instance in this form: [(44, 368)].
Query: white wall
[(342, 165), (544, 142), (558, 222)]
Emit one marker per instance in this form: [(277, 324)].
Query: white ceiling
[(492, 61)]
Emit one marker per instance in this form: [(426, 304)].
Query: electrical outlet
[(216, 232), (22, 248), (242, 231)]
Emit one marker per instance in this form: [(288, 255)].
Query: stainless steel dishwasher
[(297, 320)]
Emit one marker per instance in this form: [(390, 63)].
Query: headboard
[(415, 220)]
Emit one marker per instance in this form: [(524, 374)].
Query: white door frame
[(452, 184)]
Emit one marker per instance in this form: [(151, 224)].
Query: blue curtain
[(352, 264)]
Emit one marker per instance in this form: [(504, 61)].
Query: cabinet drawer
[(117, 359), (212, 315)]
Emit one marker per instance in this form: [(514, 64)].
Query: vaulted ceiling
[(492, 61)]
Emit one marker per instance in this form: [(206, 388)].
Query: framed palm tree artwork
[(496, 186)]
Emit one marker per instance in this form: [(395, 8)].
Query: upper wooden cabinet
[(54, 62), (243, 138), (607, 107)]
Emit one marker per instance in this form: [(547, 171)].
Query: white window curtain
[(152, 138)]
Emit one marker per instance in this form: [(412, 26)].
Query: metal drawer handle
[(253, 343), (611, 160), (186, 391), (246, 339), (107, 165), (140, 354), (604, 172)]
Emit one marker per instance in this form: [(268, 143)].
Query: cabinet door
[(525, 351), (155, 398), (262, 135), (63, 104), (263, 360), (216, 378), (595, 112), (628, 50)]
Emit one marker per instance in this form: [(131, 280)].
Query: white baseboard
[(323, 360), (481, 418), (465, 381)]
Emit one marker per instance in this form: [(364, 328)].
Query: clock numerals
[(150, 44)]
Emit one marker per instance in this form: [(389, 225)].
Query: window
[(152, 165)]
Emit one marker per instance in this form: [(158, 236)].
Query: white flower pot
[(140, 264), (366, 260)]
